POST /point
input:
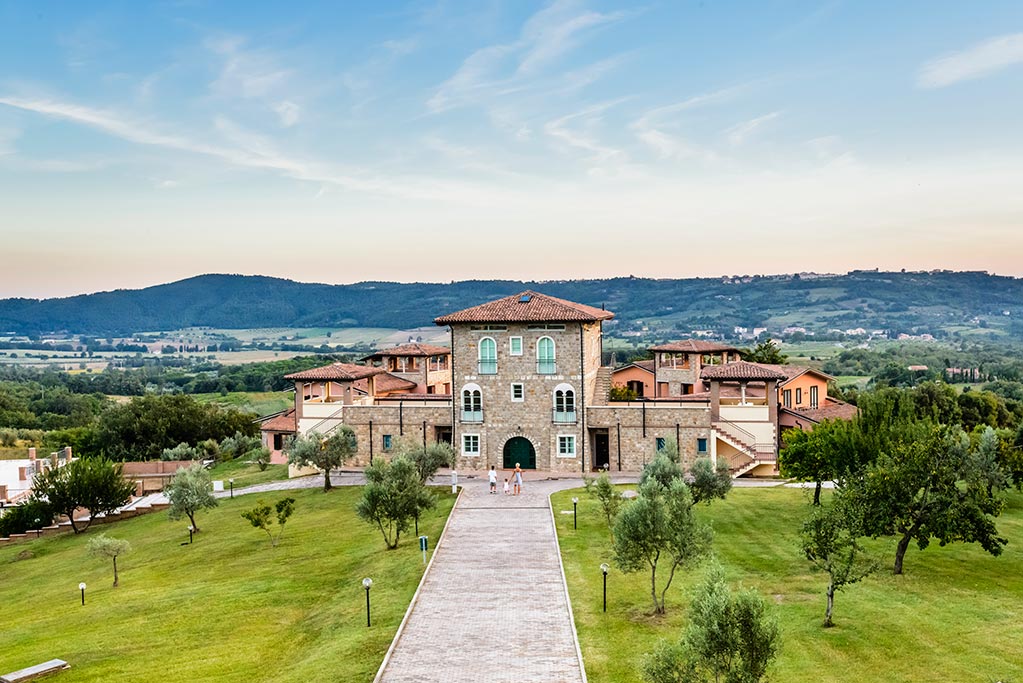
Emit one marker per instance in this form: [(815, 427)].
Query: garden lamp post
[(39, 531), (575, 517), (367, 583), (191, 530), (231, 482), (603, 569), (81, 587)]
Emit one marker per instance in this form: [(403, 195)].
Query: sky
[(143, 143)]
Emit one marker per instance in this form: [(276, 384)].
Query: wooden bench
[(36, 671)]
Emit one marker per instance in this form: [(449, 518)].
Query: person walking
[(518, 479), (493, 480)]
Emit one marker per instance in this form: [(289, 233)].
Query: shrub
[(35, 514)]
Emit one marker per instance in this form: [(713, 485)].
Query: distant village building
[(522, 383)]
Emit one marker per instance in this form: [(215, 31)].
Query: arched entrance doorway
[(519, 450)]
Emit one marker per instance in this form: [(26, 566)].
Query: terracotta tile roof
[(793, 371), (833, 409), (281, 423), (386, 382), (741, 370), (647, 365), (411, 349), (524, 307), (337, 371), (693, 346)]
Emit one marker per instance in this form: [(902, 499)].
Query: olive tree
[(313, 450), (707, 481), (609, 497), (729, 638), (189, 492), (105, 546), (393, 498), (659, 530)]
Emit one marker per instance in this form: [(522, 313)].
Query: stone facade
[(529, 412), (634, 428)]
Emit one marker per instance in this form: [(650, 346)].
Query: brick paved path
[(493, 607)]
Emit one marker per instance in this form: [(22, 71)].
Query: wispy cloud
[(254, 74), (583, 138), (545, 37), (975, 62), (740, 132), (252, 151), (652, 127)]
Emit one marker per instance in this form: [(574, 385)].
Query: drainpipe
[(451, 369), (371, 442), (644, 419), (401, 418), (582, 399), (424, 435), (619, 445)]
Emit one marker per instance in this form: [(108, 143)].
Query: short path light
[(191, 530), (367, 583), (575, 517), (231, 482), (603, 569), (81, 587)]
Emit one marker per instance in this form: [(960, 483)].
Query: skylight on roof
[(524, 299)]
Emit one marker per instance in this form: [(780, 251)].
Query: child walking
[(507, 488), (493, 480)]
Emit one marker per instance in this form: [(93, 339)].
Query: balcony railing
[(563, 416), (546, 367), (488, 367), (472, 416)]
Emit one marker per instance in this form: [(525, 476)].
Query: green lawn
[(955, 615), (226, 608), (247, 473)]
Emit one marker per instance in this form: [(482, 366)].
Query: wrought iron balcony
[(563, 416), (546, 367), (488, 367), (472, 416)]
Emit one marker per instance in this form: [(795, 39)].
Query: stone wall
[(634, 427)]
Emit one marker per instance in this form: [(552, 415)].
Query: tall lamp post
[(575, 516), (81, 587), (367, 583), (603, 569)]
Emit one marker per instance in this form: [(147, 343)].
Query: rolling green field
[(259, 402), (226, 608), (955, 615)]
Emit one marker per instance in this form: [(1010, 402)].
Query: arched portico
[(519, 449)]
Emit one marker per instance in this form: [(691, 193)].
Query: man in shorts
[(493, 480)]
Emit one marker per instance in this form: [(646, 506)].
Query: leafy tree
[(936, 401), (621, 393), (393, 498), (105, 546), (707, 482), (180, 452), (94, 484), (811, 455), (189, 492), (260, 456), (765, 352), (312, 450), (729, 638), (238, 446), (936, 487), (609, 497), (658, 529), (661, 469), (830, 541), (262, 517), (142, 428), (29, 516)]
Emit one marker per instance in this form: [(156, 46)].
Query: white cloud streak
[(741, 132), (978, 61)]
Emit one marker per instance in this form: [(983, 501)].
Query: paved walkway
[(493, 607)]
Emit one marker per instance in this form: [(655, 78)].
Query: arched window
[(545, 360), (564, 403), (472, 403), (488, 356)]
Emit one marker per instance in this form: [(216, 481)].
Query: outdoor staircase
[(759, 453), (602, 388)]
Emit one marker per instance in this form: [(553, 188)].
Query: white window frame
[(471, 454), (522, 391), (814, 396), (470, 388), (573, 442), (511, 346)]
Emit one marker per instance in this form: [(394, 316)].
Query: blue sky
[(430, 141)]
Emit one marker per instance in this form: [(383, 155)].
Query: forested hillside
[(939, 303)]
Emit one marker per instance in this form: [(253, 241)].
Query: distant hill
[(943, 302)]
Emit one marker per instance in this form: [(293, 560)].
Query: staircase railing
[(758, 450)]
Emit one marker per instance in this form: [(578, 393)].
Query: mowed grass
[(246, 473), (226, 608), (955, 615)]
